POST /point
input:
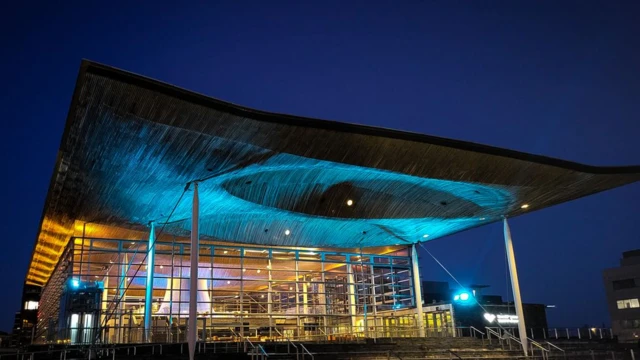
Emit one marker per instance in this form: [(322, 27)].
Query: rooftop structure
[(167, 206), (131, 144)]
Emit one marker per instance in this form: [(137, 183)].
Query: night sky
[(561, 80)]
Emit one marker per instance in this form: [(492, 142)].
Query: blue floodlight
[(462, 297), (75, 283)]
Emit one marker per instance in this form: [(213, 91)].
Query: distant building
[(468, 312), (26, 319), (622, 285)]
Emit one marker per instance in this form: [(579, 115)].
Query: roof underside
[(131, 144)]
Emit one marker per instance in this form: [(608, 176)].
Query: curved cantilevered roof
[(131, 144)]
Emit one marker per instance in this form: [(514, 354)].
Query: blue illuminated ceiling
[(131, 145)]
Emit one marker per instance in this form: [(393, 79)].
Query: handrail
[(66, 349), (289, 342), (543, 350), (304, 348), (476, 330), (538, 345), (491, 331), (554, 346), (264, 353)]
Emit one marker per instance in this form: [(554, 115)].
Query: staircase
[(400, 348), (445, 348)]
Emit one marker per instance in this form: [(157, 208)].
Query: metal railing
[(564, 333), (90, 352), (507, 336), (305, 350), (550, 345), (578, 333)]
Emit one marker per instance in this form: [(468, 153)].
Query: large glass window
[(628, 304), (31, 305), (258, 291)]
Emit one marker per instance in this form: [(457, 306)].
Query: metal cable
[(456, 280), (118, 300)]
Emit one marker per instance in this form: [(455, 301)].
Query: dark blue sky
[(561, 80)]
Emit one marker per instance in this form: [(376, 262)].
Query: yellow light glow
[(349, 202), (524, 206)]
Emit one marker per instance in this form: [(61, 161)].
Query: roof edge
[(204, 100)]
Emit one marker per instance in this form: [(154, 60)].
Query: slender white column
[(270, 298), (297, 292), (374, 303), (105, 302), (515, 285), (417, 289), (322, 300), (192, 335), (352, 296), (122, 286), (305, 297), (148, 294)]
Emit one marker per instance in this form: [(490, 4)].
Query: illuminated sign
[(501, 318)]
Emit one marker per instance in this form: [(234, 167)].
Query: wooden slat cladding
[(131, 144)]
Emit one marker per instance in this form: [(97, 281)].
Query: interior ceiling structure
[(132, 144)]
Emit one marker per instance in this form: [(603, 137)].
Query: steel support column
[(192, 335), (148, 294), (515, 285), (417, 289), (352, 296)]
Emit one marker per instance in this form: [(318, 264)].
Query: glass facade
[(97, 292)]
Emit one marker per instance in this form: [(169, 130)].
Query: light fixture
[(349, 202), (482, 218), (110, 261), (224, 252), (75, 283), (161, 267), (425, 236), (287, 232), (258, 271), (228, 282), (462, 296), (290, 288), (262, 296), (243, 270), (524, 206)]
